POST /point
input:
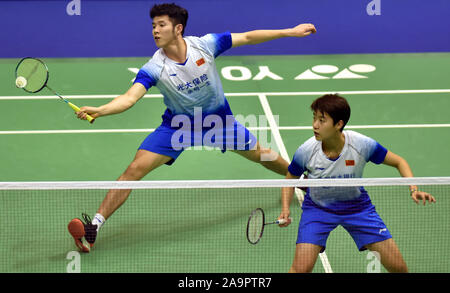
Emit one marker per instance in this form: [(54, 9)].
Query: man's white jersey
[(194, 83), (357, 151)]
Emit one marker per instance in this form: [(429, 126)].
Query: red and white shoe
[(84, 233)]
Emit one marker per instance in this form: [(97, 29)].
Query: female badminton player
[(334, 153)]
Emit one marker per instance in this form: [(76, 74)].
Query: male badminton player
[(334, 153), (184, 71)]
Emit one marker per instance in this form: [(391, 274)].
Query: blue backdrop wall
[(84, 28)]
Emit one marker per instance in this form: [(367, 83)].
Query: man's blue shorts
[(178, 132), (365, 227)]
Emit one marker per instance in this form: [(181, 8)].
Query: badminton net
[(199, 226)]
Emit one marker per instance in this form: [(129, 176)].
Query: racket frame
[(262, 228), (73, 106), (279, 222), (46, 69)]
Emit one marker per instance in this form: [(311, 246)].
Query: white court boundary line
[(250, 94), (148, 130), (272, 125)]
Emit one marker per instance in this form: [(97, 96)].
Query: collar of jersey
[(342, 151), (188, 45), (184, 63)]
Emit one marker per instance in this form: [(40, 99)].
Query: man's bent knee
[(135, 171)]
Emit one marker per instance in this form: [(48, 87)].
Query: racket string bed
[(32, 76)]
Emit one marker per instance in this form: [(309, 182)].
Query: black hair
[(177, 14), (336, 106)]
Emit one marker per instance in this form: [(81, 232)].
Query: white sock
[(98, 220)]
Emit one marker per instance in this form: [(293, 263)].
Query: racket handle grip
[(76, 109), (282, 221)]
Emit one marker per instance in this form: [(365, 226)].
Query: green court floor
[(401, 100)]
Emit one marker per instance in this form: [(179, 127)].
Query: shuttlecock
[(21, 82)]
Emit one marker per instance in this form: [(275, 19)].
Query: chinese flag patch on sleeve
[(200, 62), (349, 162)]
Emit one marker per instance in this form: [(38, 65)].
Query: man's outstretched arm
[(118, 105), (261, 36)]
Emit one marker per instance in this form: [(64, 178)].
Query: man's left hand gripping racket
[(256, 223), (32, 76)]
